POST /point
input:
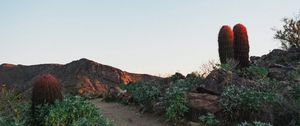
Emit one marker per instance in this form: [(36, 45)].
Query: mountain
[(82, 76)]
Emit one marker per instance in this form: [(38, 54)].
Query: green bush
[(72, 111), (297, 102), (176, 108), (209, 120), (13, 110), (175, 100), (294, 74), (269, 85), (176, 76), (244, 102), (255, 123), (256, 72), (194, 79), (144, 93), (225, 67)]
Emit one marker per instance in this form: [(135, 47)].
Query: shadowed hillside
[(83, 76)]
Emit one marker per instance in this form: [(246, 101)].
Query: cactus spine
[(241, 45), (225, 42)]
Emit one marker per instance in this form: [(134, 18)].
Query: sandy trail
[(123, 115)]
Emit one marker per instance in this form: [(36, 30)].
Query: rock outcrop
[(201, 103), (83, 76)]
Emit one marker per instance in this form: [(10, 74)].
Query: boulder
[(201, 103), (216, 81), (279, 72)]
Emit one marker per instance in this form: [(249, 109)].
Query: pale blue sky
[(142, 36)]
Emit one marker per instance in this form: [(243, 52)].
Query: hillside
[(83, 76)]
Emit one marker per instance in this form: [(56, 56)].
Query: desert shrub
[(72, 111), (174, 97), (176, 108), (254, 72), (225, 67), (193, 79), (297, 102), (206, 68), (209, 120), (176, 76), (254, 123), (269, 85), (245, 103), (13, 110), (294, 75), (175, 100), (289, 35), (144, 92)]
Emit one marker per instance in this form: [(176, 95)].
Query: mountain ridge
[(82, 76)]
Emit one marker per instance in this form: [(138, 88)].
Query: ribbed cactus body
[(46, 89), (225, 42), (241, 45)]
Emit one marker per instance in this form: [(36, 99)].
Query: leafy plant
[(193, 79), (13, 110), (289, 35), (176, 76), (175, 100), (244, 102), (256, 72), (209, 120), (294, 75), (297, 101), (176, 108), (144, 93), (72, 111), (255, 123)]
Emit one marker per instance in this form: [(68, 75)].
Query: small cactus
[(225, 41), (46, 89), (241, 45)]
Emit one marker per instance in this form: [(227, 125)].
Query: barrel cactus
[(241, 45), (225, 41), (46, 89)]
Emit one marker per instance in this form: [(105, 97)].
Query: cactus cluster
[(225, 42), (234, 44)]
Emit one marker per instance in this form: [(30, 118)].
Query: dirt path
[(123, 115)]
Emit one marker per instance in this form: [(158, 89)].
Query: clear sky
[(144, 36)]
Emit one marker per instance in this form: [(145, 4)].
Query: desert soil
[(123, 115)]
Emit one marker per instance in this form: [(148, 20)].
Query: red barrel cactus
[(225, 42), (46, 89), (241, 45)]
